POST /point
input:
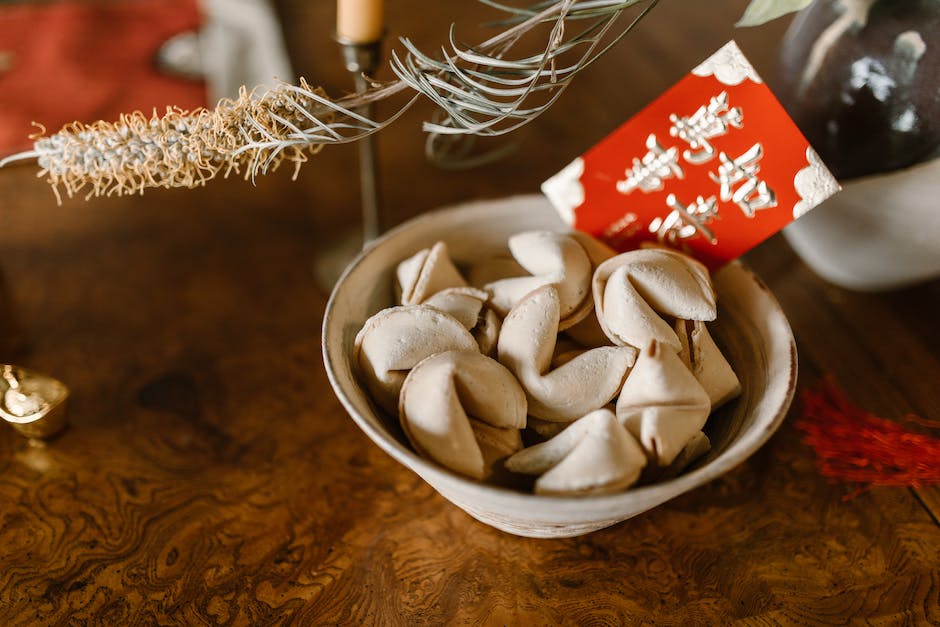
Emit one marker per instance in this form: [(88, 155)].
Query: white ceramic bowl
[(751, 329)]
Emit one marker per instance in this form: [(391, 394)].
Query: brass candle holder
[(33, 403), (361, 60)]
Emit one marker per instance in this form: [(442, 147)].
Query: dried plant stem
[(478, 91)]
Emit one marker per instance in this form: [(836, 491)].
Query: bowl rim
[(657, 492)]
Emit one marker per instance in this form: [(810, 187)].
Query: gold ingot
[(32, 402)]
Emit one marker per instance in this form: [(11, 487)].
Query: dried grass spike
[(182, 148)]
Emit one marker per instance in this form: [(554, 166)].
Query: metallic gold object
[(362, 59), (32, 402)]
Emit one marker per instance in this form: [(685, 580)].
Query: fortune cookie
[(462, 410), (546, 429), (597, 251), (394, 340), (585, 383), (593, 455), (662, 404), (551, 258), (697, 447), (704, 359), (632, 289), (425, 273), (588, 333), (468, 306), (493, 269)]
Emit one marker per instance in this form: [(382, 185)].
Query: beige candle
[(359, 21)]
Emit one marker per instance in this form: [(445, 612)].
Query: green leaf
[(761, 11)]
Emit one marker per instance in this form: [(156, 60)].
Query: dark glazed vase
[(861, 78)]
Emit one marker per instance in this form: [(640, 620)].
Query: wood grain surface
[(210, 476)]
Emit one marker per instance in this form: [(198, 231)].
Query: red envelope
[(712, 167)]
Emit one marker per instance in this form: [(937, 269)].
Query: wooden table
[(211, 476)]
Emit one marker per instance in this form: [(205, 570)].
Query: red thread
[(855, 446)]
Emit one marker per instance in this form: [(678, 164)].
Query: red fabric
[(87, 61), (855, 446)]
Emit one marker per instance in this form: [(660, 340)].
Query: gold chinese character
[(624, 228), (708, 121), (739, 182), (686, 222), (647, 174)]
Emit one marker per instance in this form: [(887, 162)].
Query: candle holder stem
[(362, 59)]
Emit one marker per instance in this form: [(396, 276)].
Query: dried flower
[(179, 148)]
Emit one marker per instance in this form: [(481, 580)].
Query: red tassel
[(853, 445)]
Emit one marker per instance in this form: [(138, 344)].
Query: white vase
[(861, 78), (880, 232)]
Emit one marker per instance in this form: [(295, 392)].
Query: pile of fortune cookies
[(562, 361)]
